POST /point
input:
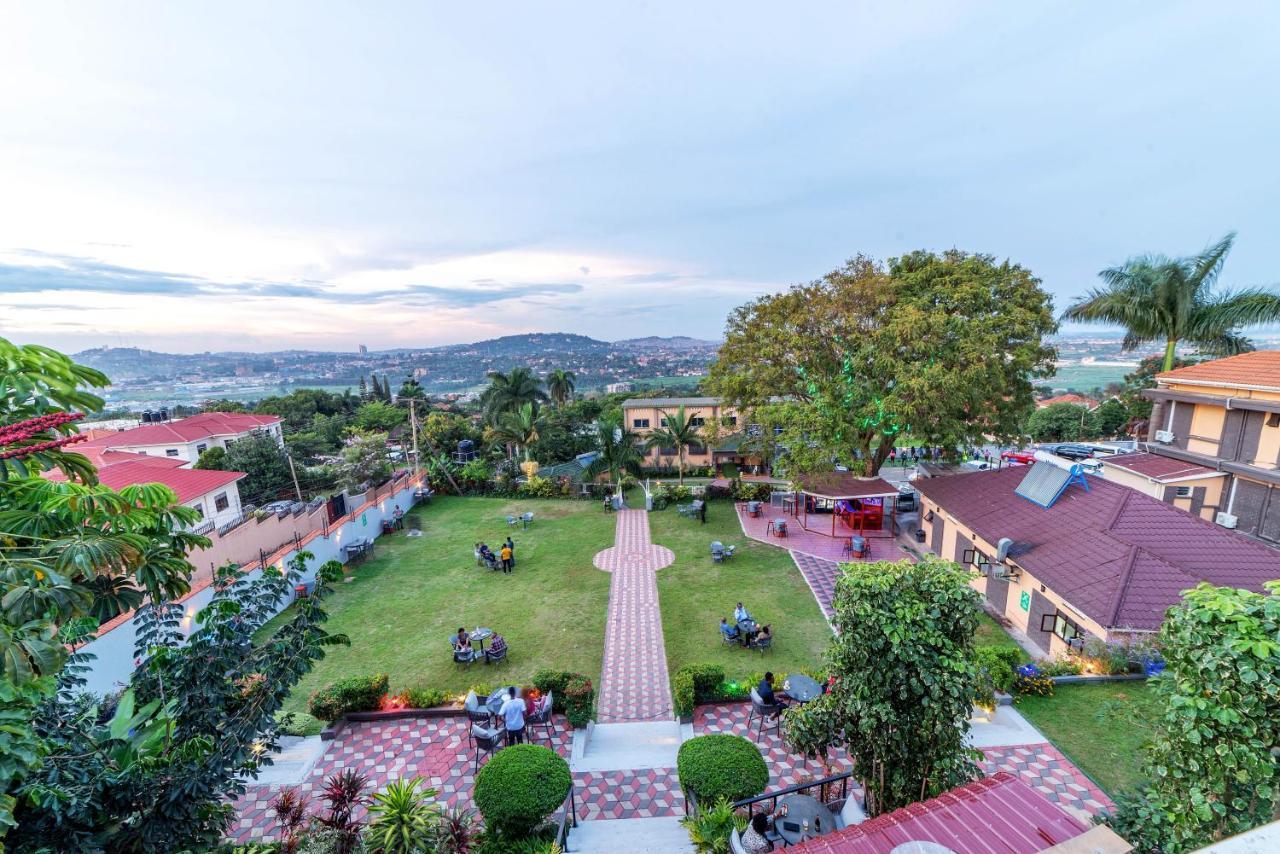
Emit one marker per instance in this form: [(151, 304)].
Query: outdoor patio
[(811, 542)]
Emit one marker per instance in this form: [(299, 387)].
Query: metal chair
[(492, 657), (484, 741), (545, 718), (511, 521), (735, 843), (526, 518), (477, 711), (761, 644), (764, 711), (462, 656), (717, 552)]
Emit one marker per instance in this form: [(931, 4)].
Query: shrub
[(353, 694), (425, 698), (998, 664), (519, 787), (403, 818), (721, 766), (710, 827), (752, 490), (579, 700), (1111, 659), (1065, 666), (539, 487), (729, 470), (683, 697), (1030, 679)]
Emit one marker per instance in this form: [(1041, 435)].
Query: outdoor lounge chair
[(761, 644), (764, 711), (484, 740), (491, 657), (717, 551), (462, 656), (477, 712), (544, 719), (511, 521)]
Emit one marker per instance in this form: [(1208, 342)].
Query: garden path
[(633, 685)]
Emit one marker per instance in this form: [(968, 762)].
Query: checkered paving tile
[(642, 793), (435, 749), (821, 577), (633, 685), (1040, 765)]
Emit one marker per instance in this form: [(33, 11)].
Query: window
[(697, 421), (199, 508), (977, 560), (730, 421), (640, 422), (1273, 420), (696, 450), (1061, 625), (171, 452), (667, 452), (1184, 492), (221, 502), (201, 448)]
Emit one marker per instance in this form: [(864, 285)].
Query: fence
[(114, 644)]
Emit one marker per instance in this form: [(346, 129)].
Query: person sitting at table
[(462, 643), (479, 550), (490, 559), (754, 838), (765, 690), (741, 614), (730, 632), (765, 634), (757, 634)]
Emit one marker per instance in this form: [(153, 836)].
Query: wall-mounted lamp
[(928, 517)]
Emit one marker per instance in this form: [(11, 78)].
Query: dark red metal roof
[(843, 484), (1116, 554), (1157, 467), (996, 814)]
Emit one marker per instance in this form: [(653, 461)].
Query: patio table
[(497, 698), (803, 689), (746, 627), (801, 817), (480, 635)]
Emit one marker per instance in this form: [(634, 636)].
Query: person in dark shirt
[(765, 690)]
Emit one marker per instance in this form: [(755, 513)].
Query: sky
[(191, 176)]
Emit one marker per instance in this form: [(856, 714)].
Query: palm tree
[(619, 453), (508, 392), (1171, 300), (561, 384), (677, 431), (520, 428)]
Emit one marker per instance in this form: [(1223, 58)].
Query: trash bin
[(919, 535)]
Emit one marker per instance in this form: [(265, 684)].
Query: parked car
[(1024, 458), (1069, 450)]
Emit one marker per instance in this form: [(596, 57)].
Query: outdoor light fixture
[(928, 517)]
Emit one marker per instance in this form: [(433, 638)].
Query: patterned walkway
[(634, 684), (821, 577)]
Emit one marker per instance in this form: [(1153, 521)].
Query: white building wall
[(207, 504), (114, 650)]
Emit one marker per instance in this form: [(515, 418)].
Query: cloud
[(60, 273)]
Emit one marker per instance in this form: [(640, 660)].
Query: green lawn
[(1100, 728), (991, 633), (406, 602), (695, 593)]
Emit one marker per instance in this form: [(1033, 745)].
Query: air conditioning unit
[(997, 570), (1164, 437), (1226, 520)]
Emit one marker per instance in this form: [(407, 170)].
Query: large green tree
[(520, 428), (1062, 422), (620, 453), (1212, 760), (677, 431), (903, 661), (510, 391), (943, 346), (380, 416), (265, 465), (560, 385), (1172, 301)]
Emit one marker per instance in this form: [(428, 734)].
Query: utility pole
[(293, 471)]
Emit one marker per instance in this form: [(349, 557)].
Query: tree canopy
[(265, 465), (941, 346)]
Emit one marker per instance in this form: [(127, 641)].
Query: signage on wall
[(364, 520), (1025, 601)]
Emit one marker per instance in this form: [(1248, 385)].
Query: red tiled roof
[(185, 430), (1078, 399), (186, 483), (1116, 554), (1259, 369), (996, 814), (1157, 467)]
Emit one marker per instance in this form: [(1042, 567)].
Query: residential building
[(642, 416), (1102, 560), (1189, 486), (1072, 398), (1224, 415), (187, 438), (619, 388), (213, 494)]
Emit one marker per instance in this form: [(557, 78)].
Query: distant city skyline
[(256, 177)]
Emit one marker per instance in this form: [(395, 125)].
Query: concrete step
[(614, 747), (292, 763), (632, 835)]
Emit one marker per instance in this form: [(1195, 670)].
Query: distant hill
[(529, 344), (679, 343)]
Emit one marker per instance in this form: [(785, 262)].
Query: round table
[(497, 698), (801, 688), (480, 635), (800, 817), (746, 627)]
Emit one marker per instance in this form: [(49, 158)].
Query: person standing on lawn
[(506, 558), (512, 714)]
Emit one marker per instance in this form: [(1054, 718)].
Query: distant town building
[(362, 350), (1072, 398), (188, 438), (619, 388)]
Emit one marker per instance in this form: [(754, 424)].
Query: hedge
[(574, 694), (352, 694), (721, 766), (520, 786), (999, 663), (697, 683)]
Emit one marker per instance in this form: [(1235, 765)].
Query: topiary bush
[(579, 700), (683, 698), (995, 664), (519, 787), (352, 694), (716, 766)]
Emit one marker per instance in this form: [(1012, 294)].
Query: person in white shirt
[(512, 714), (740, 613)]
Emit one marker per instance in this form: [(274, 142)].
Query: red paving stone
[(633, 685), (642, 793), (814, 542)]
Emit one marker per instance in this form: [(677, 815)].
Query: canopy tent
[(862, 504)]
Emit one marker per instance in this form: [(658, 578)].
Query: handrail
[(842, 778), (568, 819)]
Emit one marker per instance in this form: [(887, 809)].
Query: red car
[(1025, 458)]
